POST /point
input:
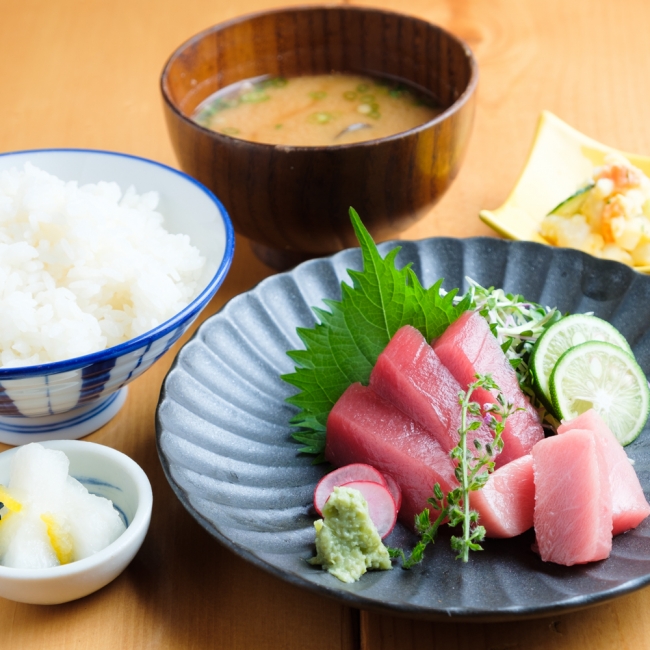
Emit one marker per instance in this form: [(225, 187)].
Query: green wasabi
[(347, 542)]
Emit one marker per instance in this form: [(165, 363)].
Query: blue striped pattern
[(31, 426), (38, 396)]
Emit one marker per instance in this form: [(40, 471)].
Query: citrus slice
[(562, 336), (604, 377)]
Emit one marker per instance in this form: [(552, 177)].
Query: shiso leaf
[(343, 347)]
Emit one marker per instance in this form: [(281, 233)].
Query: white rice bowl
[(84, 268), (62, 292)]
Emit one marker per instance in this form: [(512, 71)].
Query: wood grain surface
[(84, 73)]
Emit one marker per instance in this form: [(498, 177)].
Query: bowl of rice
[(105, 260)]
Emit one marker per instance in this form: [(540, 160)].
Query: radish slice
[(342, 475), (395, 490), (381, 505)]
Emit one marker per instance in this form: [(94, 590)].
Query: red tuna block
[(409, 374), (364, 428), (629, 505), (573, 503), (506, 503), (468, 348)]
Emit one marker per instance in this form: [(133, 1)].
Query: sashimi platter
[(440, 428)]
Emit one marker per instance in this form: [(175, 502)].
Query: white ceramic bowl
[(107, 473), (70, 399)]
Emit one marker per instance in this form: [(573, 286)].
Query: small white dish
[(108, 473)]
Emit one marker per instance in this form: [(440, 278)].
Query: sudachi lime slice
[(563, 335), (606, 378)]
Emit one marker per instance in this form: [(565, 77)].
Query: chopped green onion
[(254, 97), (320, 118)]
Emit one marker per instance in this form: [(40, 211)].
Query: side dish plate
[(560, 161), (226, 448)]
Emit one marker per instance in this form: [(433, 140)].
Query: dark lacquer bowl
[(293, 202)]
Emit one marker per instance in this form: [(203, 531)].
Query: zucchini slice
[(572, 205)]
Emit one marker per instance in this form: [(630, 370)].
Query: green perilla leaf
[(343, 347)]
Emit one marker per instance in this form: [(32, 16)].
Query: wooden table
[(84, 73)]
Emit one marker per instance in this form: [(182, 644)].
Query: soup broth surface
[(316, 111)]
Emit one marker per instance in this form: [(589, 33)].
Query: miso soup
[(316, 111)]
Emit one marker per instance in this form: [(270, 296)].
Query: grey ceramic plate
[(226, 448)]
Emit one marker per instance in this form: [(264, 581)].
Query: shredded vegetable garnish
[(517, 323)]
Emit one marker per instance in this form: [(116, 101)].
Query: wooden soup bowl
[(293, 201)]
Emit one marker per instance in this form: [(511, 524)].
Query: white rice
[(84, 268)]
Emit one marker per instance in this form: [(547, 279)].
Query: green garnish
[(320, 118), (472, 472), (273, 82), (517, 323), (318, 94), (254, 97), (363, 88), (207, 112), (343, 348), (350, 95)]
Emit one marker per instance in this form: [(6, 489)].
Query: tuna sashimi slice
[(629, 505), (468, 348), (506, 503), (409, 374), (364, 428), (573, 503)]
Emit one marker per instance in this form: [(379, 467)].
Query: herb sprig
[(473, 468), (343, 348)]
